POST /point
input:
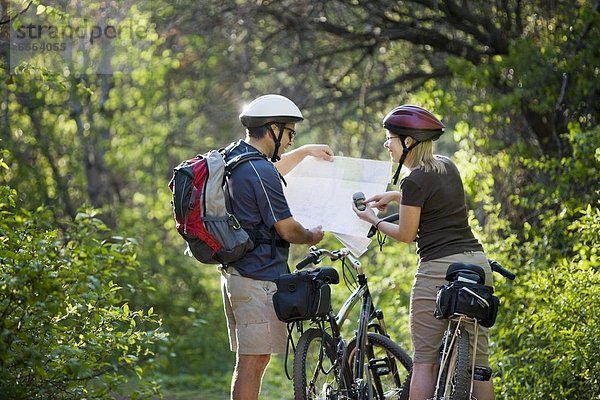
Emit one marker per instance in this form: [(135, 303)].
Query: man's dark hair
[(258, 132)]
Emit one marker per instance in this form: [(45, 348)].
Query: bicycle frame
[(367, 313), (367, 307)]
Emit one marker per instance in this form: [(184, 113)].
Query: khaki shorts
[(426, 331), (251, 320)]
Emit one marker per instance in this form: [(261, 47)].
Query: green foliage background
[(96, 297)]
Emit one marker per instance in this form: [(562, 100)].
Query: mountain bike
[(369, 366), (465, 301)]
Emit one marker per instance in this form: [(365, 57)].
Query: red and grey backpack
[(202, 208)]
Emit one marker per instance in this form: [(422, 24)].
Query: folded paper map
[(320, 192)]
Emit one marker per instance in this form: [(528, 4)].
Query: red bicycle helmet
[(413, 121)]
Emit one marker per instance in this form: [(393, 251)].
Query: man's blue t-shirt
[(258, 203)]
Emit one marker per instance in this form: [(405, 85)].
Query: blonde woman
[(432, 212)]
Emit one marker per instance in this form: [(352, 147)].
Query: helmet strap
[(405, 151), (275, 157)]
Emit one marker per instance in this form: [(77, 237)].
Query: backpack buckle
[(235, 224)]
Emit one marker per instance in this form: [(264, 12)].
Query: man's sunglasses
[(291, 133)]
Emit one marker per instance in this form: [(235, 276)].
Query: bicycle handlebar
[(496, 267), (311, 258), (314, 256)]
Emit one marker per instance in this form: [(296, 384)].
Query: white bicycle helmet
[(270, 108)]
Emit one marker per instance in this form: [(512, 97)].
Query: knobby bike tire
[(390, 368), (314, 378), (455, 379)]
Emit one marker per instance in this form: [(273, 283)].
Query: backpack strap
[(241, 158), (263, 237), (258, 236), (231, 165)]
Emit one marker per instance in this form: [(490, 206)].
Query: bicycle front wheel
[(389, 367), (455, 382), (316, 372)]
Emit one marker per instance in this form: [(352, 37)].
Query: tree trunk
[(93, 144), (548, 129)]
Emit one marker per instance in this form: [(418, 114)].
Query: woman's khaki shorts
[(426, 331), (251, 320)]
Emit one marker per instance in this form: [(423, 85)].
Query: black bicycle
[(369, 366)]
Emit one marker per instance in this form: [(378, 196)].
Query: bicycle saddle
[(466, 272), (326, 274)]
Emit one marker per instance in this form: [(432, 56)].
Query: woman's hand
[(380, 201), (367, 215)]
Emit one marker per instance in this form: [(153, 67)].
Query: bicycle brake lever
[(353, 260)]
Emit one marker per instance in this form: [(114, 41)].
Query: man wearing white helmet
[(260, 205)]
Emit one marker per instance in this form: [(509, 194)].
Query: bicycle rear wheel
[(455, 382), (389, 367), (316, 373)]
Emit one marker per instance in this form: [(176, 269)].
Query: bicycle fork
[(369, 367), (360, 364)]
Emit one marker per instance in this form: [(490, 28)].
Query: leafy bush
[(551, 338), (546, 339), (66, 330)]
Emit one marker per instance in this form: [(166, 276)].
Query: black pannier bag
[(470, 299), (304, 295)]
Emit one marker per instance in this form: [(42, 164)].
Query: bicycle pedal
[(482, 373), (379, 366)]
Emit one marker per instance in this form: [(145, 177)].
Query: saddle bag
[(304, 295), (471, 299)]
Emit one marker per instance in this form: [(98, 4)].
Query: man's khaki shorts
[(426, 331), (251, 320)]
